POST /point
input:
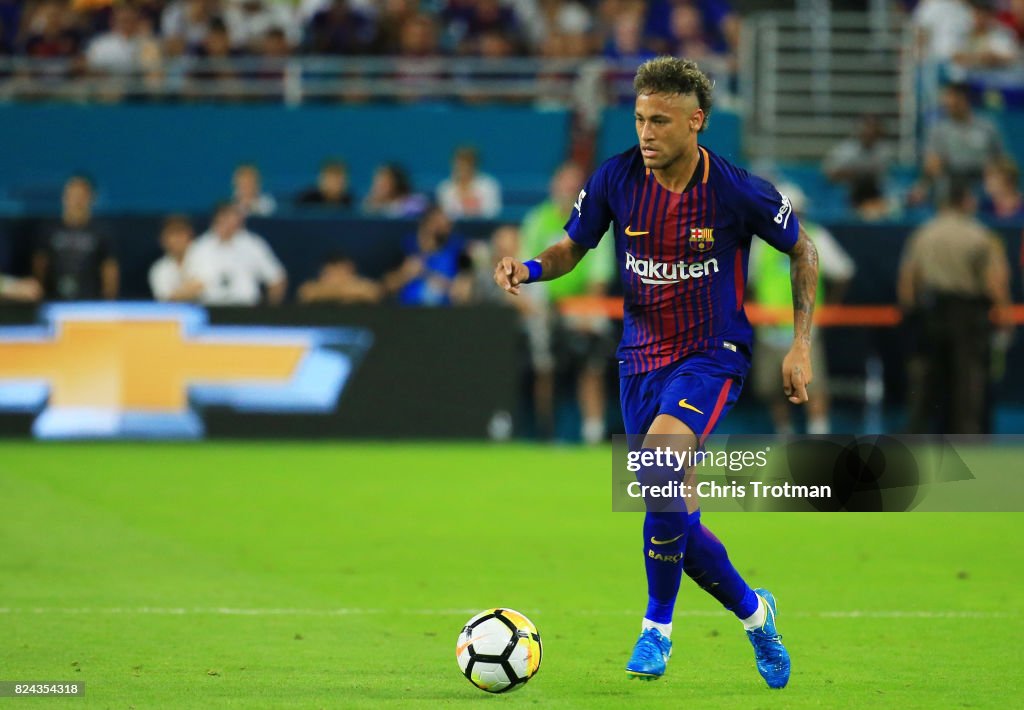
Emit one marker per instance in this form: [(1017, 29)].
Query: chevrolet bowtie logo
[(132, 369)]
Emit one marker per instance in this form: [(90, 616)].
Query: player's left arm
[(803, 274)]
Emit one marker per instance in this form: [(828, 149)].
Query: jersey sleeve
[(768, 213), (591, 213)]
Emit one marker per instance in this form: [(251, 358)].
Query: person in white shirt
[(167, 277), (468, 193), (990, 44), (249, 21), (233, 263), (128, 45), (942, 27)]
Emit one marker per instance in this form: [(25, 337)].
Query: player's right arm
[(555, 261), (587, 224)]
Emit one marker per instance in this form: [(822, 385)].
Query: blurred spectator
[(274, 45), (483, 256), (465, 21), (468, 192), (167, 278), (588, 341), (187, 21), (719, 25), (958, 146), (686, 37), (418, 37), (550, 84), (332, 187), (770, 286), (13, 288), (273, 52), (339, 28), (626, 41), (216, 50), (248, 192), (565, 46), (124, 48), (434, 259), (150, 11), (862, 156), (541, 19), (392, 17), (493, 44), (391, 194), (217, 66), (990, 44), (419, 68), (1013, 17), (50, 32), (74, 259), (340, 282), (249, 21), (942, 28), (953, 271), (625, 44), (233, 263), (869, 202), (1003, 198)]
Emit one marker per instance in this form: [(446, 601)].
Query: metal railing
[(807, 81), (584, 85), (295, 80)]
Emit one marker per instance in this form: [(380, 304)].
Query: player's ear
[(697, 120)]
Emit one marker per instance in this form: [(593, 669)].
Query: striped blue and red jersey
[(682, 255)]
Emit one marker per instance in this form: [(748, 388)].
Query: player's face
[(667, 126)]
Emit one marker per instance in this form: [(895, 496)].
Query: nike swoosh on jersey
[(665, 542), (630, 233), (686, 405)]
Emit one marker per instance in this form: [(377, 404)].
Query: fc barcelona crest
[(701, 238)]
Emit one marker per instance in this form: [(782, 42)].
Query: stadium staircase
[(807, 76)]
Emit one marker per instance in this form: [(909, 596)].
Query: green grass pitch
[(339, 575)]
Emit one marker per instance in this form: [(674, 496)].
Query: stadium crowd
[(139, 35)]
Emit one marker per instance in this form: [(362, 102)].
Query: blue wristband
[(535, 271)]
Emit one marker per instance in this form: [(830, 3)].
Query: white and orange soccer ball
[(499, 650)]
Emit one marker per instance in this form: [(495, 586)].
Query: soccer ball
[(499, 650)]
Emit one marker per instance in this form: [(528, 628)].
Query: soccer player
[(683, 223)]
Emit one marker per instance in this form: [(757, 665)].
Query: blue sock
[(665, 539), (707, 564)]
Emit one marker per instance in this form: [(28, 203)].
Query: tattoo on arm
[(803, 274)]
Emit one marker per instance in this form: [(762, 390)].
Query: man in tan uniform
[(953, 271)]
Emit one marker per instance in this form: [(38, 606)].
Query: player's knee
[(665, 425)]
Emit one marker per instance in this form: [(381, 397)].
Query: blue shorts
[(698, 390)]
